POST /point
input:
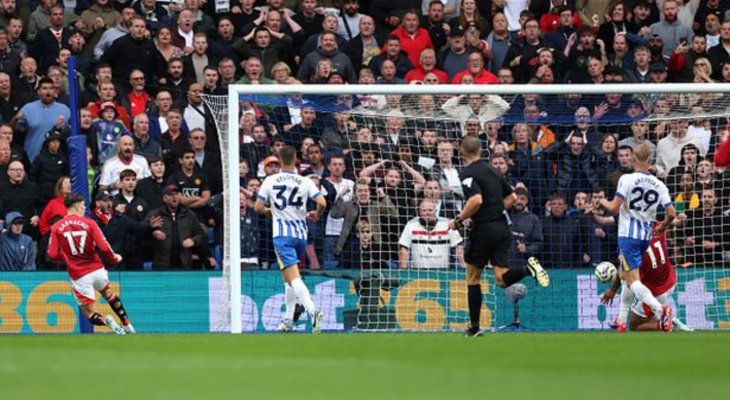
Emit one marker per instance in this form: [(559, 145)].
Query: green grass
[(367, 366)]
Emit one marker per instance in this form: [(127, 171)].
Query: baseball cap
[(271, 159), (107, 104), (659, 66), (103, 195), (170, 189), (456, 31)]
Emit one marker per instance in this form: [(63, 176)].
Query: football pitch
[(366, 366)]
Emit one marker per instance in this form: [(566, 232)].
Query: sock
[(514, 275), (623, 311), (644, 295), (290, 300), (475, 304), (302, 293), (96, 319), (116, 303)]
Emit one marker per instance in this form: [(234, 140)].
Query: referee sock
[(116, 304), (514, 275), (302, 293), (96, 319), (475, 305), (644, 295), (623, 311), (290, 300)]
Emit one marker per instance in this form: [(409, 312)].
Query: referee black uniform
[(490, 238)]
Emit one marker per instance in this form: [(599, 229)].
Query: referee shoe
[(537, 271), (473, 332)]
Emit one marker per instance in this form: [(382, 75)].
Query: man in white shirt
[(426, 241)]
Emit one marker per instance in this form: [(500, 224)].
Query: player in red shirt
[(75, 239), (657, 274)]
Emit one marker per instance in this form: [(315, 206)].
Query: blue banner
[(180, 302)]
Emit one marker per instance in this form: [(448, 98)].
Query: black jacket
[(46, 169), (188, 226), (127, 54)]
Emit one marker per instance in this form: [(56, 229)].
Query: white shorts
[(84, 287), (643, 311)]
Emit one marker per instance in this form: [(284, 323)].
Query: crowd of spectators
[(387, 165)]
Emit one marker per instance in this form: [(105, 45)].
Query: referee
[(488, 194)]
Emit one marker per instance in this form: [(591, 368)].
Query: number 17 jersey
[(642, 194), (288, 193)]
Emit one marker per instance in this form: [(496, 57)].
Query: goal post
[(702, 288)]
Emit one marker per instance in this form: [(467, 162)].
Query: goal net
[(386, 159)]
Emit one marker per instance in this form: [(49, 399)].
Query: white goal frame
[(232, 241)]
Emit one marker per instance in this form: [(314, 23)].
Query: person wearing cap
[(107, 130), (271, 165), (17, 250), (452, 59), (51, 164), (178, 235), (658, 72)]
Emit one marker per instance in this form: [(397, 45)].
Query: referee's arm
[(470, 208)]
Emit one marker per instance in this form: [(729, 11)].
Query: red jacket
[(413, 46), (722, 154), (122, 114), (483, 77), (55, 210)]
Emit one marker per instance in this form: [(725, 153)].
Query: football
[(605, 271)]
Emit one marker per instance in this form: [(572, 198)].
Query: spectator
[(198, 115), (250, 245), (453, 58), (212, 84), (368, 254), (483, 107), (9, 59), (222, 45), (564, 245), (362, 48), (29, 81), (639, 136), (165, 46), (155, 15), (138, 100), (180, 232), (42, 18), (526, 229), (719, 54), (427, 64), (689, 156), (498, 43), (4, 160), (150, 188), (174, 140), (476, 70), (201, 56), (625, 157), (704, 242), (55, 209), (432, 20), (15, 36), (125, 159), (575, 171), (522, 54), (447, 204), (668, 150), (144, 145), (469, 16), (50, 165), (684, 192), (108, 94), (97, 19), (158, 118), (343, 190), (376, 210), (329, 24), (671, 29), (260, 44), (40, 116), (11, 101), (176, 81), (17, 250), (413, 38), (22, 195), (107, 130), (683, 59), (602, 228), (254, 73), (206, 161), (192, 183), (392, 51), (111, 34), (135, 207), (50, 38), (426, 242)]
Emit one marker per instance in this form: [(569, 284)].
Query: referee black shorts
[(489, 243)]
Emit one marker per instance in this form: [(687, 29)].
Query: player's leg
[(290, 300), (288, 253), (118, 307), (475, 298), (504, 274), (83, 290), (632, 252)]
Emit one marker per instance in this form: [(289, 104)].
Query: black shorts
[(489, 243)]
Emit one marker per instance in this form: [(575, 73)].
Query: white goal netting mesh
[(380, 258)]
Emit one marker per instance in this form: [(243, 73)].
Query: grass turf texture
[(368, 366)]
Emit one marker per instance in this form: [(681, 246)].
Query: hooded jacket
[(16, 251)]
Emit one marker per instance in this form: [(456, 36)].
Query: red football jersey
[(75, 239), (657, 271)]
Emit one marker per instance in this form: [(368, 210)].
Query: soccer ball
[(605, 271)]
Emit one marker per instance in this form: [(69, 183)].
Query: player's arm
[(610, 293), (612, 206), (259, 206), (54, 247), (670, 215), (509, 201), (321, 204), (470, 208), (101, 243)]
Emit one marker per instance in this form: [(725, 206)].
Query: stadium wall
[(35, 302)]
